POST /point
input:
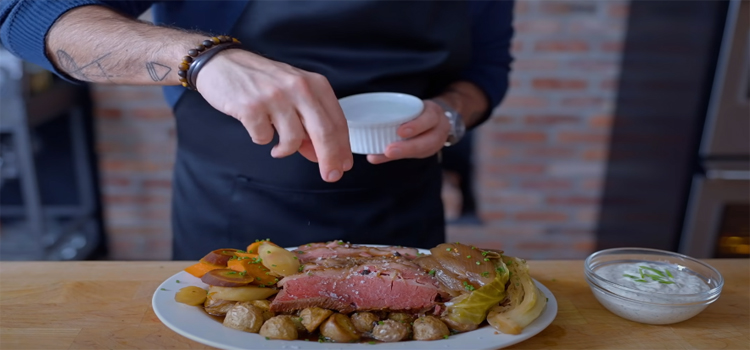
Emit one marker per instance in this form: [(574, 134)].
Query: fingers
[(258, 125), (422, 123), (327, 130), (290, 129)]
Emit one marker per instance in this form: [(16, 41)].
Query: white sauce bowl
[(373, 119), (648, 306)]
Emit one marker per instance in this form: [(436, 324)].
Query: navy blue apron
[(228, 191)]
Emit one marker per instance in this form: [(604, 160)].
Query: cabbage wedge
[(472, 308), (525, 301)]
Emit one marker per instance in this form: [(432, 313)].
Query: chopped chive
[(468, 257), (431, 273), (445, 336), (653, 270), (640, 280), (478, 263), (163, 288), (629, 276), (447, 249), (178, 281), (666, 282), (668, 273)]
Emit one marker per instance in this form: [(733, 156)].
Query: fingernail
[(408, 132), (334, 175), (347, 165)]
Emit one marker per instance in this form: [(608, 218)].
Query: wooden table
[(107, 305)]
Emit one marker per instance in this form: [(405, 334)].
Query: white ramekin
[(373, 119)]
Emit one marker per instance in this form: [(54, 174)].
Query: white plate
[(193, 323)]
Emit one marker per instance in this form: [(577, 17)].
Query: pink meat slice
[(377, 284)]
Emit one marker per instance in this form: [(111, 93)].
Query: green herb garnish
[(431, 273)]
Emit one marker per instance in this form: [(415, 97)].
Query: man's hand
[(424, 136), (269, 96)]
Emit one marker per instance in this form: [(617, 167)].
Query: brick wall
[(539, 161)]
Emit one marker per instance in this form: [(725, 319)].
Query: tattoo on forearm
[(157, 71), (93, 69)]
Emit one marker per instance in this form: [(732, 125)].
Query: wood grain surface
[(107, 305)]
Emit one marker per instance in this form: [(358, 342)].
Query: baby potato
[(312, 317), (191, 295), (390, 331), (364, 321), (245, 317), (339, 328), (279, 327), (429, 328), (297, 320), (264, 305), (217, 307), (459, 327), (401, 317)]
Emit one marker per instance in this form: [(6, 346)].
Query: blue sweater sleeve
[(24, 24), (492, 32)]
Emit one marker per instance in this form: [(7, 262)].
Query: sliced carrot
[(253, 247), (201, 268), (246, 255), (254, 268)]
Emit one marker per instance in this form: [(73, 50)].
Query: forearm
[(97, 44), (468, 100)]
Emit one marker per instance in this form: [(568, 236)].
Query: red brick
[(534, 65), (135, 200), (113, 181), (558, 84), (561, 46), (152, 113), (568, 7), (609, 84), (547, 184), (493, 216), (523, 101), (596, 154), (157, 183), (516, 168), (592, 184), (538, 246), (537, 26), (502, 119), (618, 10), (592, 65), (573, 200), (586, 247), (612, 46), (588, 216), (519, 137), (583, 102), (551, 119), (516, 46), (514, 199), (520, 7), (141, 166), (555, 152), (515, 83), (596, 26), (541, 216), (501, 152), (107, 113), (582, 137), (493, 183)]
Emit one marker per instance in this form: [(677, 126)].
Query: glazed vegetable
[(472, 309), (244, 317), (219, 256), (253, 247), (246, 293), (279, 260), (201, 268), (312, 317), (469, 264), (191, 295), (339, 328), (227, 278), (259, 274), (526, 301), (279, 327), (239, 254)]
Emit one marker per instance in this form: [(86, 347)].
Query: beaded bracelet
[(198, 56)]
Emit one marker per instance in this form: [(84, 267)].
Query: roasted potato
[(297, 320), (364, 321), (217, 307), (279, 327), (459, 327), (245, 317), (191, 295), (401, 317), (429, 328), (339, 328), (390, 331), (244, 293), (264, 305), (312, 317)]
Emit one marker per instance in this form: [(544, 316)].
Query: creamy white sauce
[(665, 303), (680, 282)]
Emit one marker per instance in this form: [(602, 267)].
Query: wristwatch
[(458, 128)]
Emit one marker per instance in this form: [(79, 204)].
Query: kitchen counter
[(107, 305)]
